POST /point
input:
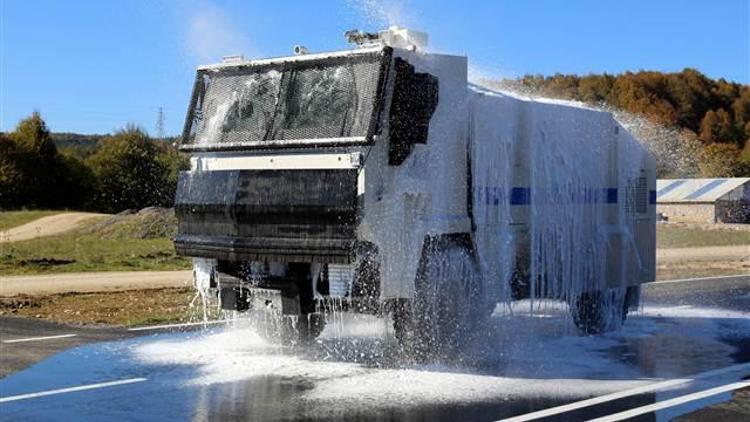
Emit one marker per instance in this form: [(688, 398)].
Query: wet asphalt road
[(528, 362)]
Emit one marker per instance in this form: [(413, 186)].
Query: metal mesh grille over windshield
[(288, 103)]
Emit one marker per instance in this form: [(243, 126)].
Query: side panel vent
[(641, 195), (637, 196)]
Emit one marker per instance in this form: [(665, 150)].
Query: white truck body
[(555, 197)]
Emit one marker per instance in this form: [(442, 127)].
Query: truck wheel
[(448, 306), (402, 321), (309, 327), (599, 311), (310, 323)]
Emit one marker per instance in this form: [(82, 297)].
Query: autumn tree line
[(713, 113), (128, 169), (125, 170)]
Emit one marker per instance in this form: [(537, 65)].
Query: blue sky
[(93, 66)]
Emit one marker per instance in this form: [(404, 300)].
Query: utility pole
[(160, 124)]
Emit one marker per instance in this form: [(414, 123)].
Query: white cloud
[(212, 34)]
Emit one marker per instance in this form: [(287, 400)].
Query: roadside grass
[(125, 242), (142, 242), (75, 252), (126, 308), (10, 219), (681, 236)]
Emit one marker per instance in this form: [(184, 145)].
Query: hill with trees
[(715, 114)]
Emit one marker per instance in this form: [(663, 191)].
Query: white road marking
[(70, 389), (672, 402), (626, 393), (187, 324), (22, 340), (682, 280)]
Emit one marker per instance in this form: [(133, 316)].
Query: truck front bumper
[(273, 215)]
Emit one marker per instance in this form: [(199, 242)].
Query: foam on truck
[(378, 178)]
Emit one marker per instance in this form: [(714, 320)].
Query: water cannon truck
[(379, 180)]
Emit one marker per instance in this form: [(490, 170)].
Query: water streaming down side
[(558, 192), (677, 151), (203, 272)]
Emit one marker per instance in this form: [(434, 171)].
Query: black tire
[(366, 286), (309, 327), (448, 306), (600, 311), (402, 321), (310, 323)]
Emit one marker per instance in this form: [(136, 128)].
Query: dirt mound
[(148, 223), (48, 226)]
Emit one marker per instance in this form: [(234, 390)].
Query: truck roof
[(296, 58), (480, 89)]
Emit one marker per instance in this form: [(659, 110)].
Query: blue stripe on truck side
[(611, 195), (491, 195), (520, 196)]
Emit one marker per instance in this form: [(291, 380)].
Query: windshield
[(286, 104)]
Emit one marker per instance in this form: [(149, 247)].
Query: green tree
[(79, 183), (130, 172), (38, 172), (12, 188), (32, 135)]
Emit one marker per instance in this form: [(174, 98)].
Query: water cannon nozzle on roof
[(394, 36), (237, 58)]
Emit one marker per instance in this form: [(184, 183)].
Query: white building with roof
[(704, 200)]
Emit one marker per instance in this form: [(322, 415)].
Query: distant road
[(92, 282), (726, 292), (47, 226), (708, 253)]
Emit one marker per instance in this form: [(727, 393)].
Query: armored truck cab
[(379, 177)]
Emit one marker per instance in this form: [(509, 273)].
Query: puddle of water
[(530, 363)]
